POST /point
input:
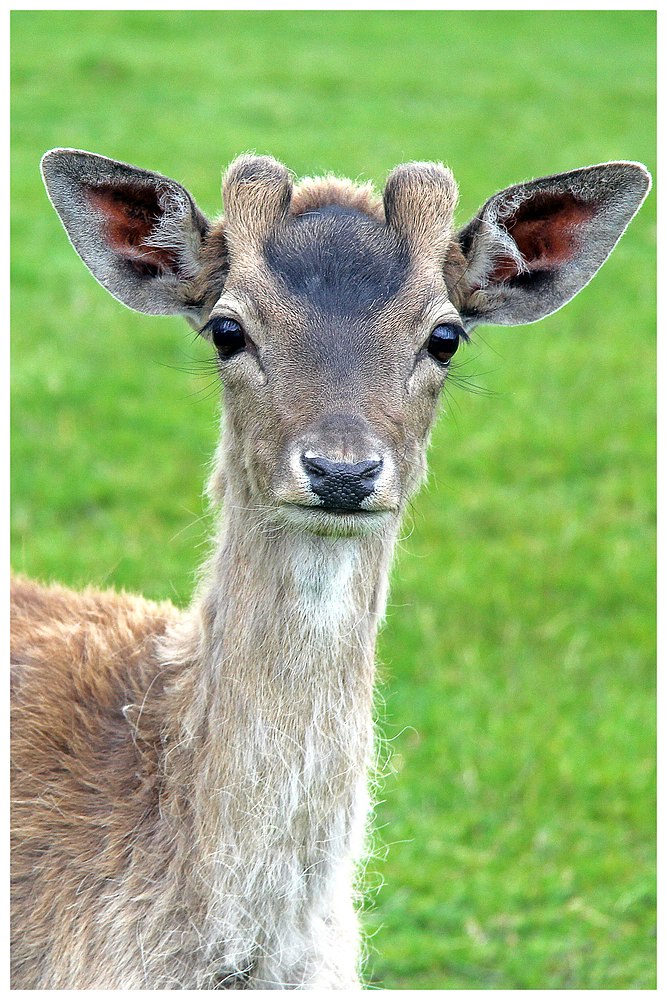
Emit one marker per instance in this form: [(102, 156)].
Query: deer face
[(334, 316), (334, 336)]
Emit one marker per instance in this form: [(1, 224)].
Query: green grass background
[(516, 841)]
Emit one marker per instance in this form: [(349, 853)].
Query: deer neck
[(291, 613), (277, 705)]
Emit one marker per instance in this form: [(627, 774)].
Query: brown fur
[(316, 192), (77, 661)]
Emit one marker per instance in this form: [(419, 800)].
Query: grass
[(516, 835)]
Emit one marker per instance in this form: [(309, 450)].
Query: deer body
[(190, 791)]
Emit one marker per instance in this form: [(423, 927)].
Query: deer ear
[(533, 246), (138, 232)]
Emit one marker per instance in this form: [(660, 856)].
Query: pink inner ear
[(547, 230), (131, 215)]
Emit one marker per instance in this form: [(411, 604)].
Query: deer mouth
[(340, 521)]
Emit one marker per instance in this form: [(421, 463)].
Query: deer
[(191, 787)]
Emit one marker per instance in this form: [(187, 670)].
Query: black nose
[(339, 484)]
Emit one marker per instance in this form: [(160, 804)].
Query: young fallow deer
[(190, 788)]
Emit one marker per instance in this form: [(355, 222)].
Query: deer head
[(335, 314)]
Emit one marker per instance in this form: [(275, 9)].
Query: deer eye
[(444, 341), (227, 335)]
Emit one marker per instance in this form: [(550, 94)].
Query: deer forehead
[(337, 261), (335, 272)]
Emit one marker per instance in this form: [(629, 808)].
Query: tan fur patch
[(317, 192)]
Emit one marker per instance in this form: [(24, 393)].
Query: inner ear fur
[(419, 203), (132, 215), (533, 246), (139, 232), (544, 230)]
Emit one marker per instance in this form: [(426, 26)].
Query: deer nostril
[(341, 484), (368, 469), (315, 466)]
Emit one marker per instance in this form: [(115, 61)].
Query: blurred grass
[(517, 833)]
